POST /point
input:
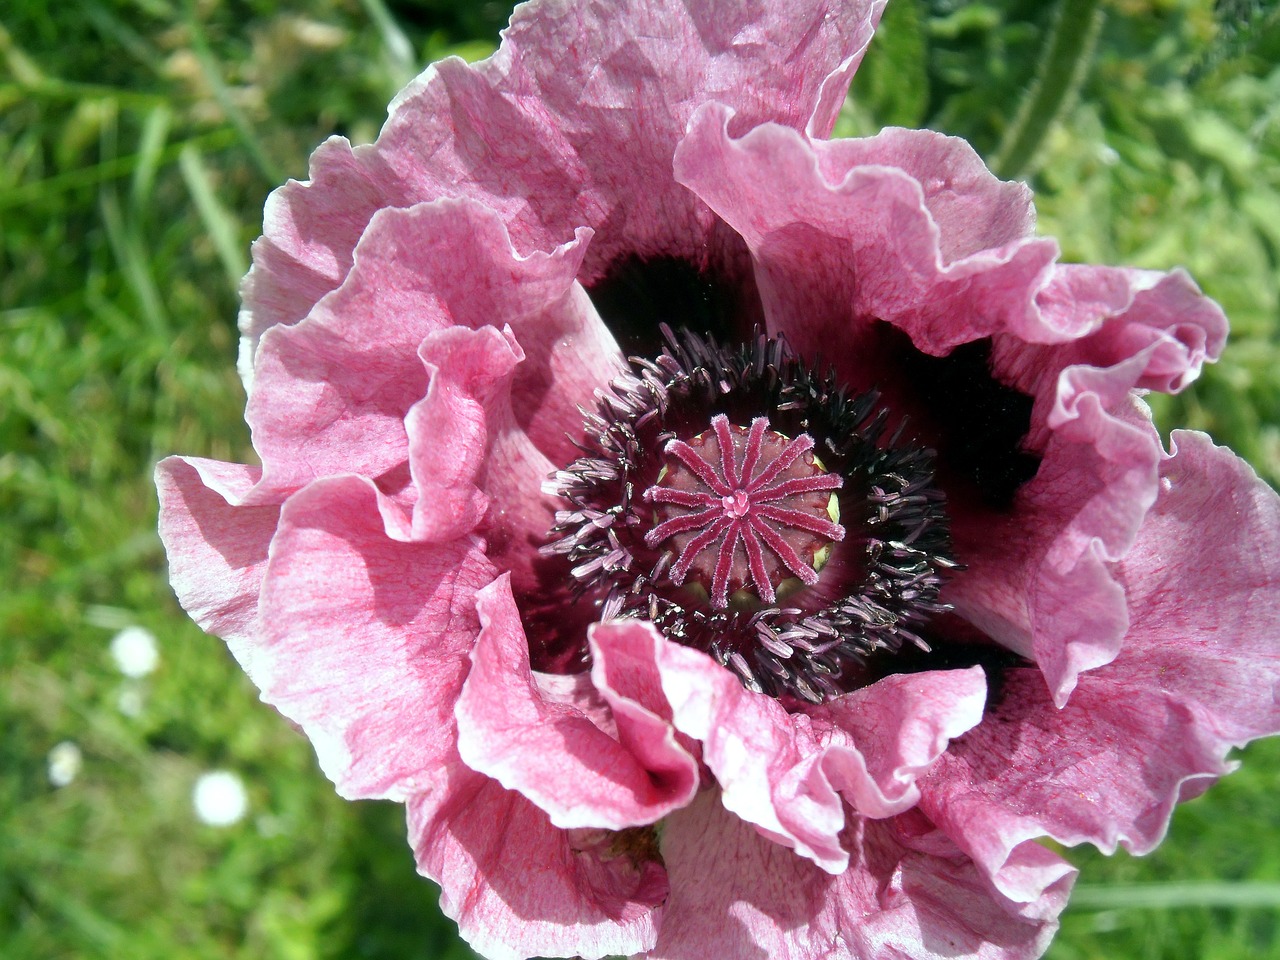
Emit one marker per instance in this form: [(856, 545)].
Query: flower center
[(792, 571), (743, 504)]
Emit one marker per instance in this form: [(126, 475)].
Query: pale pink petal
[(1199, 673), (364, 639), (905, 897), (972, 209), (1204, 593), (833, 255), (844, 233), (1039, 577), (552, 751), (1106, 768), (893, 731), (217, 547), (309, 232), (766, 760), (785, 773), (841, 219), (1130, 329), (469, 373), (331, 393), (737, 894), (519, 887), (1037, 868), (626, 678), (571, 123), (472, 465), (520, 514), (571, 355)]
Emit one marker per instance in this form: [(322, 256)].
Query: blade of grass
[(131, 256), (213, 75), (150, 150), (218, 222), (111, 169), (1176, 896), (99, 930), (22, 395), (113, 28), (399, 49), (21, 67), (51, 88)]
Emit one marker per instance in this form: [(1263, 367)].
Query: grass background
[(138, 140)]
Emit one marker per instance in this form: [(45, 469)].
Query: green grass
[(138, 140)]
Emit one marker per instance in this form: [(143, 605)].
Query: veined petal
[(850, 233), (571, 123), (552, 750), (908, 893), (519, 887), (448, 430), (216, 545), (786, 773), (832, 255), (1198, 674), (1101, 455), (330, 394), (363, 639), (893, 731)]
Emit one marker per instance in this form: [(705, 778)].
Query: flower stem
[(1067, 53)]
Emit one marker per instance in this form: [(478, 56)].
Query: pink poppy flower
[(790, 636)]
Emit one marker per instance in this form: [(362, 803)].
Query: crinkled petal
[(784, 772), (1038, 578), (893, 731), (972, 209), (625, 676), (905, 897), (765, 760), (310, 231), (519, 887), (1115, 313), (938, 903), (364, 639), (893, 228), (1199, 673), (834, 254), (571, 123), (520, 514), (216, 544), (470, 461), (331, 393), (571, 355), (1204, 592), (551, 751), (1129, 329), (1137, 330), (448, 430), (1105, 768)]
